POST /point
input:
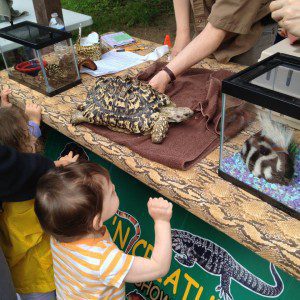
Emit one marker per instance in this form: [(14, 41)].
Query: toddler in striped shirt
[(72, 203)]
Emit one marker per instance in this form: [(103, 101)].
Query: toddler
[(25, 245), (72, 203)]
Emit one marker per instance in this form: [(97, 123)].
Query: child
[(72, 203), (19, 171), (25, 245)]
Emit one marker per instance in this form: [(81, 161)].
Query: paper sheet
[(113, 62), (91, 39)]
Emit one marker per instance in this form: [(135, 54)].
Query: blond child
[(72, 204), (24, 244)]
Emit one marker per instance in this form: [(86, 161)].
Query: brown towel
[(186, 143)]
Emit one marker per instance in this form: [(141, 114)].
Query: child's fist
[(4, 98), (160, 209), (66, 160), (34, 112)]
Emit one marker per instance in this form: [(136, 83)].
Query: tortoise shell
[(124, 103)]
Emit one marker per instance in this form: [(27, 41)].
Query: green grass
[(114, 15)]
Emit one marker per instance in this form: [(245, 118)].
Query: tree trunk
[(44, 9)]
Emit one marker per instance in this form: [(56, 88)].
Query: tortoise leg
[(159, 130), (78, 118)]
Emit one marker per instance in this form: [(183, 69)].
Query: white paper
[(113, 62), (157, 53)]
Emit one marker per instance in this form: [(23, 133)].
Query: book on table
[(117, 39)]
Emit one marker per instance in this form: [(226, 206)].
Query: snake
[(136, 225)]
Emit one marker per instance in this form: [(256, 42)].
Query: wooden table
[(253, 223)]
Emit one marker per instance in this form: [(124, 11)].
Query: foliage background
[(147, 19), (112, 15)]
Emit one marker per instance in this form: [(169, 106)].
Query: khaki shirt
[(240, 18)]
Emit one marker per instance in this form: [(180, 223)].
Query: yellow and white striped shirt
[(91, 268)]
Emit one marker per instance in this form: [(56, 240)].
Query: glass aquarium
[(264, 159), (41, 58)]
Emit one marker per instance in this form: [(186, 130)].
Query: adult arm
[(226, 17), (182, 16), (202, 46)]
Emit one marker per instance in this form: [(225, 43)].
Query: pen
[(135, 49), (129, 49)]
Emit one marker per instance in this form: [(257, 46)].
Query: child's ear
[(97, 222)]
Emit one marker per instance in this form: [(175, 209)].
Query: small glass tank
[(42, 58), (265, 158)]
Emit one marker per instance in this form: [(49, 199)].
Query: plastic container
[(55, 22)]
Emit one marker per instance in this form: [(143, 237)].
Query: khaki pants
[(265, 41)]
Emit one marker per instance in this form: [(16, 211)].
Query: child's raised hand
[(160, 209), (34, 112), (66, 160), (4, 98)]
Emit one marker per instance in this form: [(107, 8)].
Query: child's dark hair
[(14, 129), (68, 199)]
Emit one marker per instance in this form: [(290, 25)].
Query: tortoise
[(128, 105)]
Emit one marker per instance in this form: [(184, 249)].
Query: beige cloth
[(240, 18)]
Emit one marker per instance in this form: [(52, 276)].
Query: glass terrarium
[(42, 58), (264, 159)]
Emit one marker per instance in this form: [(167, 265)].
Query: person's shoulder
[(96, 246)]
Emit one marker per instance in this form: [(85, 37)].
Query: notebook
[(117, 39)]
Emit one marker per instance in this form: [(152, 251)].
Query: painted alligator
[(192, 249), (135, 295)]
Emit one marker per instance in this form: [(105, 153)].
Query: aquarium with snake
[(41, 57)]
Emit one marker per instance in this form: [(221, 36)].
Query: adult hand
[(66, 160), (287, 14), (160, 81), (34, 112)]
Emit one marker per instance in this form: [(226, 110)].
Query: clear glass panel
[(61, 66), (48, 70), (284, 79), (22, 64), (265, 156), (33, 33)]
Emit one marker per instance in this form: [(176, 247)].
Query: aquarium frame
[(290, 211), (60, 35), (239, 85), (52, 93)]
